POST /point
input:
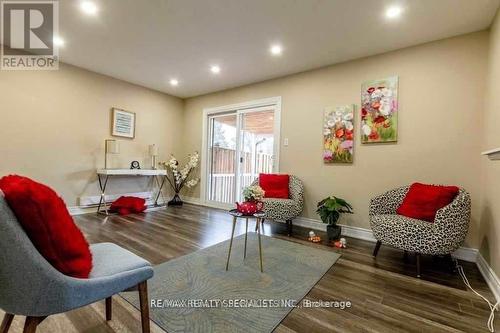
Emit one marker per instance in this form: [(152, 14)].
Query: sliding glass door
[(222, 158), (256, 149), (240, 144)]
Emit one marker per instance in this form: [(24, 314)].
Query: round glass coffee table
[(259, 217)]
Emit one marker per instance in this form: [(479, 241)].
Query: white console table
[(103, 176)]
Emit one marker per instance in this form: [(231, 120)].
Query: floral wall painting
[(379, 110), (338, 134)]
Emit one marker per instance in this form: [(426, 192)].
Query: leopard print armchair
[(442, 237), (285, 210)]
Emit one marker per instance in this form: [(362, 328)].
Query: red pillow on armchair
[(275, 186), (48, 224), (423, 201)]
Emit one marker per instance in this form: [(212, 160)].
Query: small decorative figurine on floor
[(341, 244), (313, 238)]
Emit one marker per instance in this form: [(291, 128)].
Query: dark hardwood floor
[(386, 295)]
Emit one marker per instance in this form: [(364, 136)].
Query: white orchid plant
[(179, 177)]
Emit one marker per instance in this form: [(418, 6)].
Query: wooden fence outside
[(224, 168)]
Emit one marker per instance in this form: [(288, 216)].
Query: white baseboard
[(489, 275), (78, 210), (191, 200), (463, 253), (349, 231), (88, 204), (87, 201), (466, 254)]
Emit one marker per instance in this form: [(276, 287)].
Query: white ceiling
[(149, 42)]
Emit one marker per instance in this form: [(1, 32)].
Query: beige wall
[(441, 97), (489, 242), (54, 123)]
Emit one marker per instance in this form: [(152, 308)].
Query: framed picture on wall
[(338, 134), (379, 110), (123, 123)]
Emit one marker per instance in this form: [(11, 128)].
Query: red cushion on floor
[(47, 222), (124, 211), (275, 186), (423, 201), (127, 205)]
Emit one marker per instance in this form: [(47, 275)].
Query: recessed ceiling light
[(215, 69), (88, 7), (276, 50), (174, 82), (58, 41), (393, 12)]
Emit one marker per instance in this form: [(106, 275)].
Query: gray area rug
[(194, 293)]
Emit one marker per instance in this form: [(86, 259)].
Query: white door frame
[(239, 108)]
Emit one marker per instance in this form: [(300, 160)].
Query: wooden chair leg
[(377, 247), (32, 323), (143, 300), (417, 255), (109, 308), (6, 322)]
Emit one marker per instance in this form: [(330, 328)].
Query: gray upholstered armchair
[(285, 210), (442, 237), (31, 287)]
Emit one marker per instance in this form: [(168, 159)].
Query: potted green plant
[(329, 210)]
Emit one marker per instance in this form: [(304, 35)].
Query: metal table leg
[(262, 222), (160, 187), (260, 246), (102, 200), (246, 236), (231, 243)]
